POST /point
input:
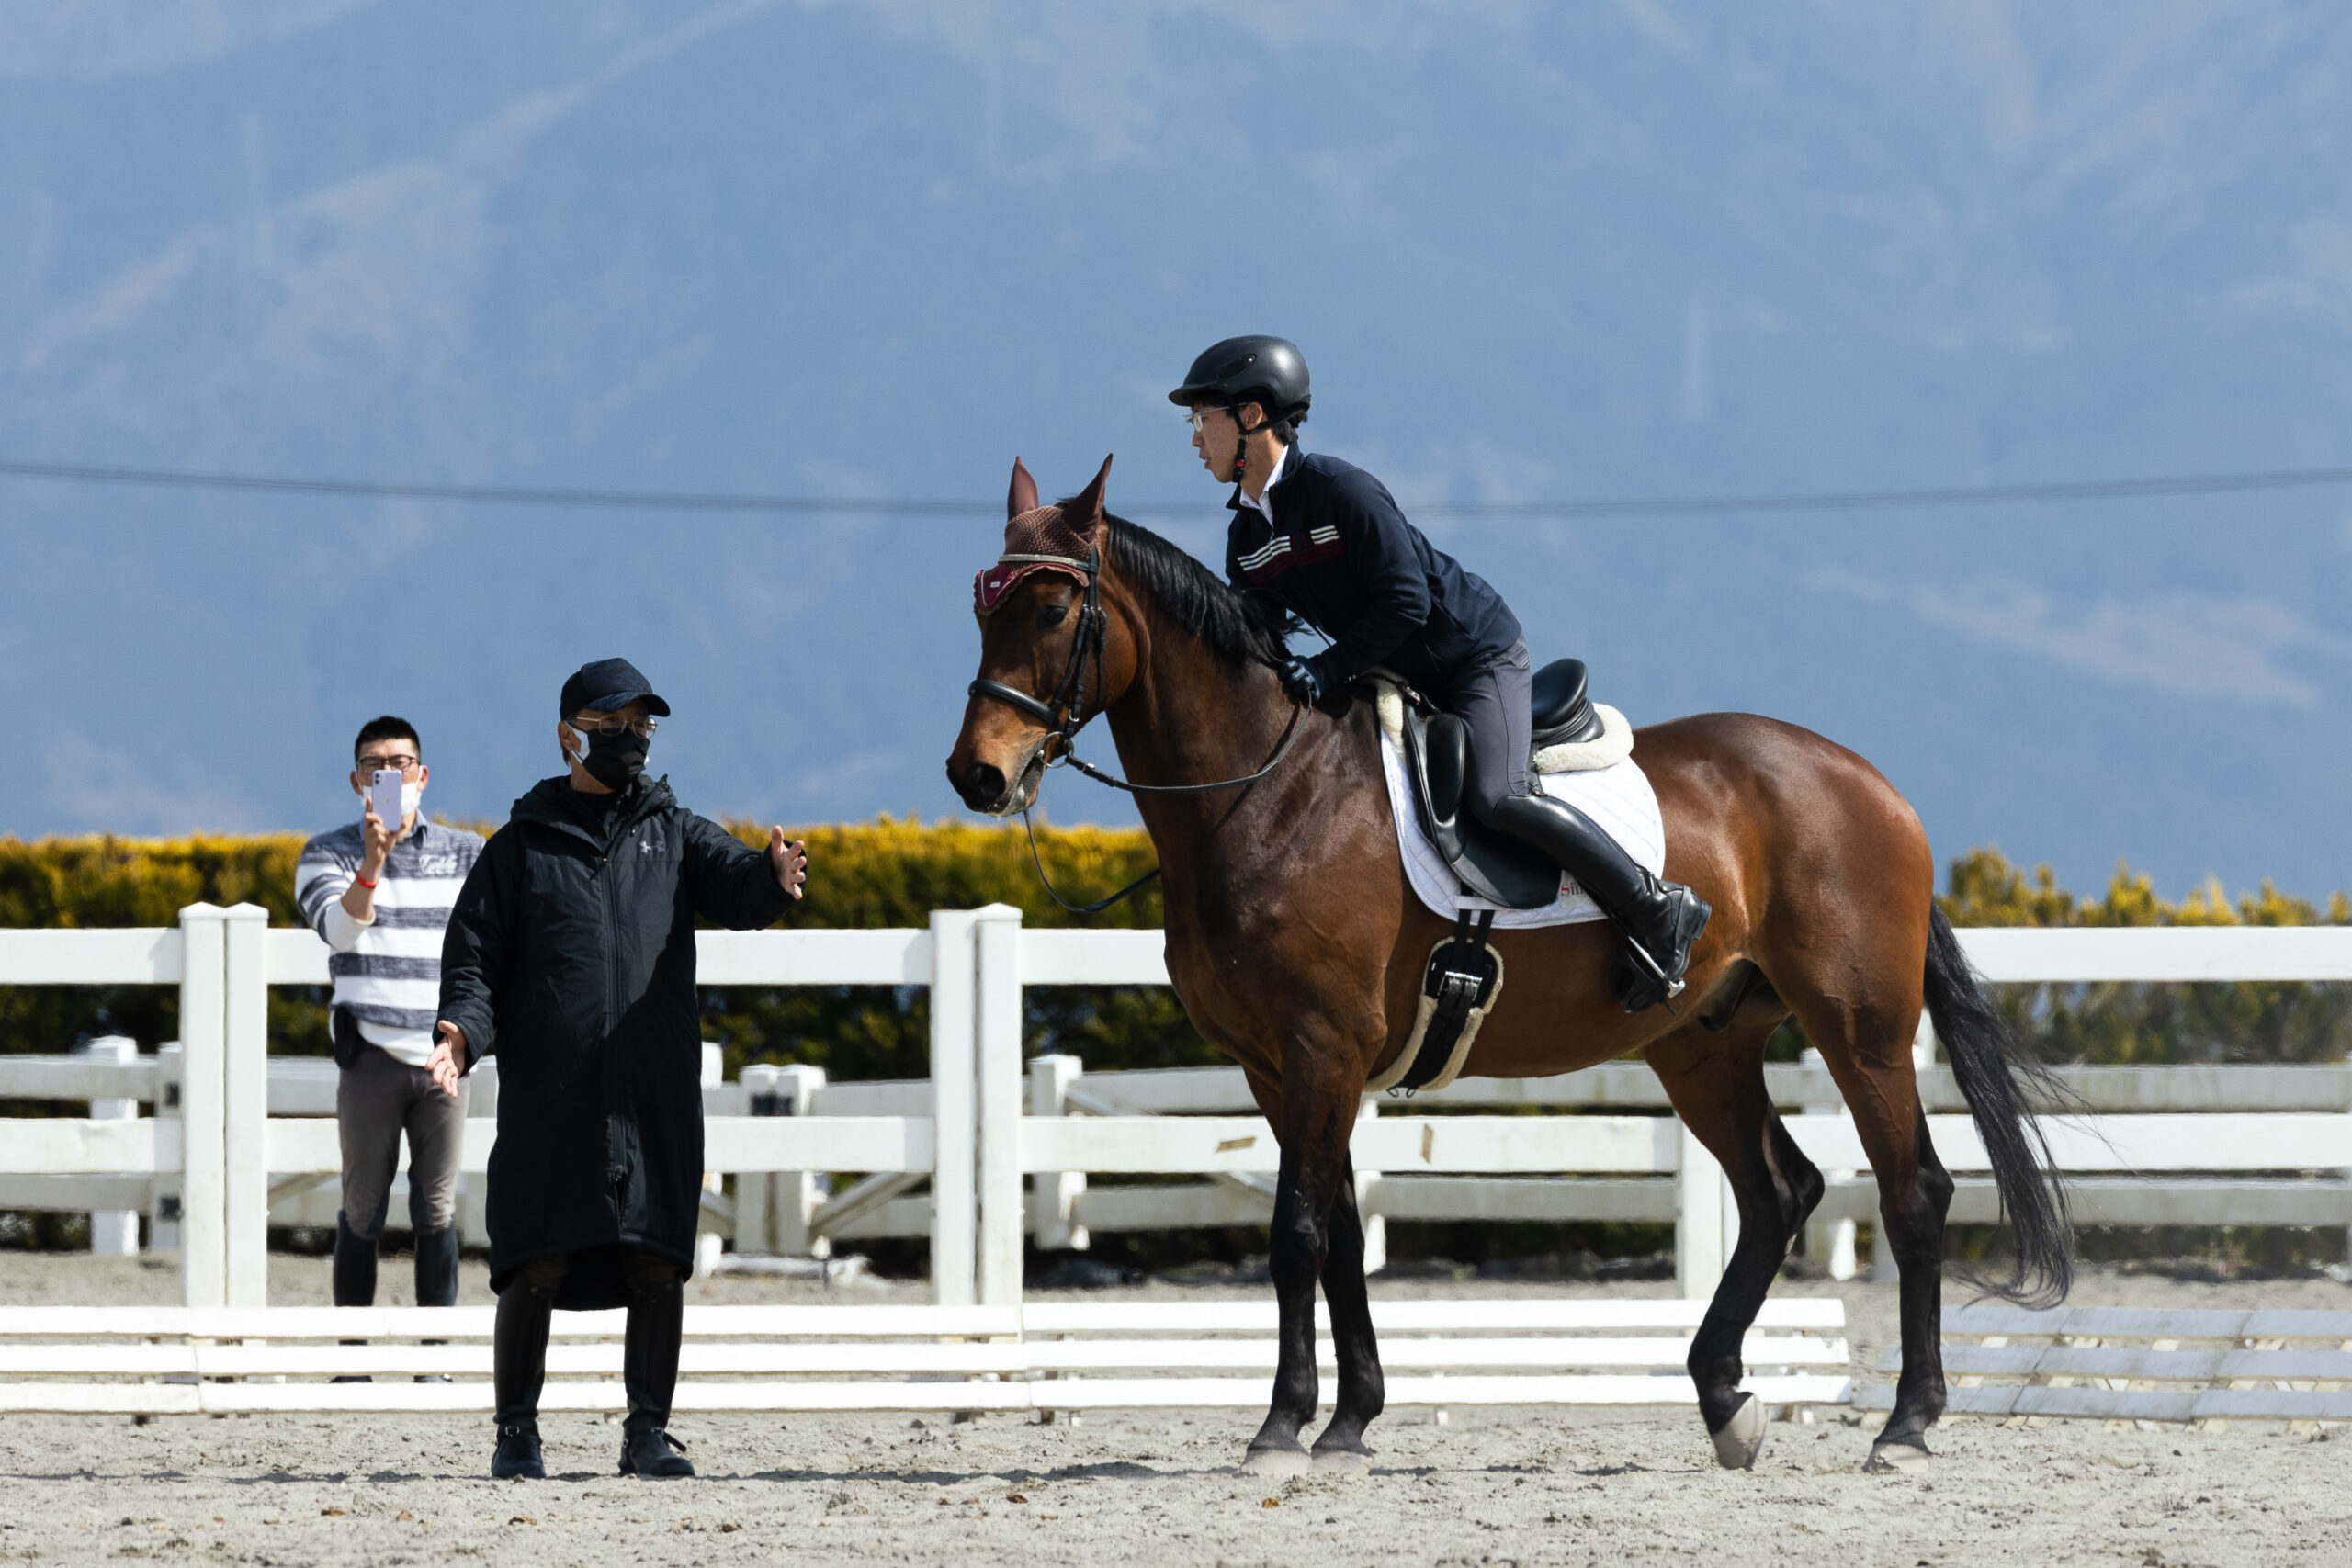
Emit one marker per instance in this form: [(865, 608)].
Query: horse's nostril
[(980, 786)]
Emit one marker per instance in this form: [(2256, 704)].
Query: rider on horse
[(1326, 541)]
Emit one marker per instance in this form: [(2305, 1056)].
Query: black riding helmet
[(1258, 369)]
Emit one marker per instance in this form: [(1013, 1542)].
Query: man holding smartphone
[(379, 891), (571, 953)]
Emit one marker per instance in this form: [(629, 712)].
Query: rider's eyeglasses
[(400, 760), (613, 724), (1198, 417)]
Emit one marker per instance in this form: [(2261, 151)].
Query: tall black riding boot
[(519, 1363), (436, 1276), (355, 1275), (1659, 920), (657, 1322)]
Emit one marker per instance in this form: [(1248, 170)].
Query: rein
[(1069, 697)]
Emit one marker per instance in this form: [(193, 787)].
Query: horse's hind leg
[(1716, 1085), (1867, 1049), (1340, 1446)]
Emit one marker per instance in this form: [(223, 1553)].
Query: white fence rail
[(1007, 1146)]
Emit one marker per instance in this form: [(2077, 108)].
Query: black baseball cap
[(606, 684)]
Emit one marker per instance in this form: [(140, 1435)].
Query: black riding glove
[(1302, 681)]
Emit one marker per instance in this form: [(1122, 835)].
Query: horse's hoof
[(1896, 1458), (1342, 1464), (1276, 1461), (1742, 1438)]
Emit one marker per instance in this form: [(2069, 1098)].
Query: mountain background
[(1532, 252)]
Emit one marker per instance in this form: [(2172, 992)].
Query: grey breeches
[(1494, 699), (377, 1099)]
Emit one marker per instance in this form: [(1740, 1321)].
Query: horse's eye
[(1051, 617)]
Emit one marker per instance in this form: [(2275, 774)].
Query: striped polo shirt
[(387, 973)]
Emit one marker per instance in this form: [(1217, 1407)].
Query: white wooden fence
[(986, 1127)]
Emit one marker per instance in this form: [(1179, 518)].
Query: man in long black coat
[(571, 952)]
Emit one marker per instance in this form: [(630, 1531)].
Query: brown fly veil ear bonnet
[(1042, 539)]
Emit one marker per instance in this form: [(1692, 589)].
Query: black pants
[(649, 1343), (1496, 698)]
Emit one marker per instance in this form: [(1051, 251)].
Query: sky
[(871, 251)]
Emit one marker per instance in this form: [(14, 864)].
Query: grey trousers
[(377, 1099)]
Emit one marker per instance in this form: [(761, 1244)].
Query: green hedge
[(894, 873)]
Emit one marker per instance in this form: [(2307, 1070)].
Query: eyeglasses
[(403, 763), (1198, 417), (613, 724)]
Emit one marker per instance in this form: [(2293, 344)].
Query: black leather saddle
[(1437, 758)]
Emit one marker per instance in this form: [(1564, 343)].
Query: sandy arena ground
[(1523, 1486)]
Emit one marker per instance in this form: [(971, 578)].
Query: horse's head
[(1052, 652)]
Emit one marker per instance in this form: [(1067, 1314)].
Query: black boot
[(1659, 920), (436, 1276), (355, 1275), (657, 1320), (519, 1367), (517, 1458)]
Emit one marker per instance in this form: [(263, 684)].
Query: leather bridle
[(1067, 715), (1070, 693)]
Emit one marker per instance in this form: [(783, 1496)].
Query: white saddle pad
[(1619, 797)]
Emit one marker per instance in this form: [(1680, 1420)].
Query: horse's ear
[(1022, 497), (1085, 510)]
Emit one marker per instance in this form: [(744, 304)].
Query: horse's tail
[(1999, 1074)]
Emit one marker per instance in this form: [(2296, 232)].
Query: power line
[(1659, 506)]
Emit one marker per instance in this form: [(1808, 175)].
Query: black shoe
[(647, 1453), (517, 1458), (1660, 920)]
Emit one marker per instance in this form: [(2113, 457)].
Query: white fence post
[(755, 1227), (1706, 1226), (794, 1196), (954, 1231), (163, 1192), (244, 1106), (1054, 1193), (709, 1245), (998, 1072), (1376, 1226), (204, 1277), (1829, 1242), (114, 1233)]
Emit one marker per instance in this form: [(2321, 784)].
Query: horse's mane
[(1241, 628)]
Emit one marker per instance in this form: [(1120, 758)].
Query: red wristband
[(362, 882)]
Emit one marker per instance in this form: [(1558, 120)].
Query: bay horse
[(1296, 947)]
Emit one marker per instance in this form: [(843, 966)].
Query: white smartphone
[(385, 791)]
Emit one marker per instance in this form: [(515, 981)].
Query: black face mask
[(615, 760)]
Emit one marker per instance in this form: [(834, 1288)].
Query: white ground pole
[(204, 1217), (114, 1233), (953, 1238), (997, 954)]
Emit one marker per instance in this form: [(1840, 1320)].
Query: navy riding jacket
[(1342, 556)]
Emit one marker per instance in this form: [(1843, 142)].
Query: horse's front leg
[(1363, 1391), (1317, 1115)]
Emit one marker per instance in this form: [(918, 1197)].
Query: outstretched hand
[(446, 1064), (789, 858)]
